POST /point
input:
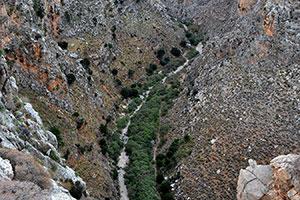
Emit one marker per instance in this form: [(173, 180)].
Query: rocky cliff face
[(30, 165), (213, 17), (279, 180), (61, 54), (241, 99)]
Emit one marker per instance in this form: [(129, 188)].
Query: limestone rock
[(277, 181), (6, 170), (253, 181)]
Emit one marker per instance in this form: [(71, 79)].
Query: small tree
[(71, 78), (114, 72), (160, 53), (130, 73), (175, 52)]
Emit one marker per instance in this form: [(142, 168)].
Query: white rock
[(6, 170), (213, 141), (73, 55), (32, 113)]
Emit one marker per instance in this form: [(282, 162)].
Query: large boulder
[(253, 181), (277, 181)]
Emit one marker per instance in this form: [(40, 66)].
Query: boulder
[(277, 181)]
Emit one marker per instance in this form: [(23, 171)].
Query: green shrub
[(134, 104), (165, 187), (122, 122), (71, 78), (183, 43), (77, 190), (167, 196), (192, 53), (160, 53), (187, 138), (75, 114), (53, 156), (131, 73), (150, 70), (57, 133), (118, 81), (115, 174), (67, 16), (175, 52), (38, 8), (63, 44), (103, 129), (173, 148), (129, 92), (85, 62), (104, 146), (114, 72), (67, 154)]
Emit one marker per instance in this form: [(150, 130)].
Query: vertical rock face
[(277, 181)]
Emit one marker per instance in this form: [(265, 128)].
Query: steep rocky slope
[(62, 54), (241, 100), (214, 17), (42, 175)]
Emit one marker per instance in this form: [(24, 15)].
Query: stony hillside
[(241, 100)]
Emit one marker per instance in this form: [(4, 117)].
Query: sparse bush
[(114, 72), (183, 43), (63, 44), (160, 53), (175, 52), (71, 78), (150, 70), (57, 133), (103, 145), (38, 8), (130, 73), (53, 156)]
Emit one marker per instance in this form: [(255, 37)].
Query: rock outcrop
[(277, 181), (30, 165)]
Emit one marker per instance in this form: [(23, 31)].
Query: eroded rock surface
[(277, 181)]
